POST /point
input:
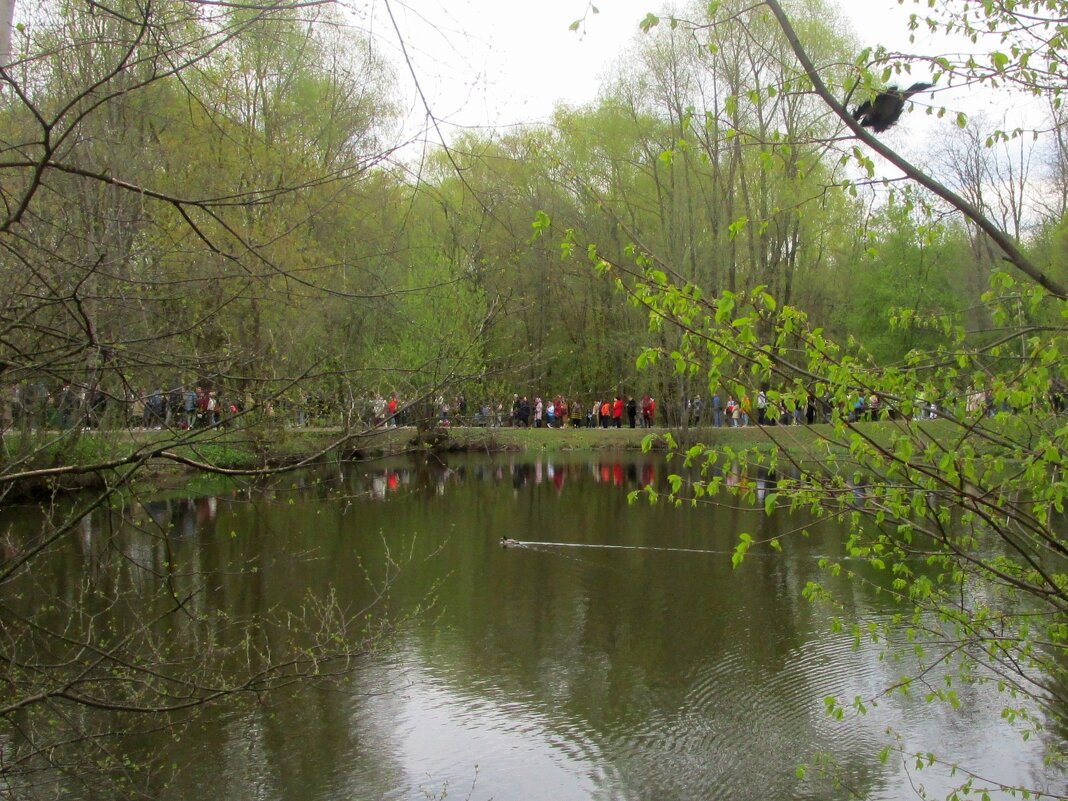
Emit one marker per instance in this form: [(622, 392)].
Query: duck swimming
[(508, 542)]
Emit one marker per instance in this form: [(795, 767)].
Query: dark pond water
[(642, 668)]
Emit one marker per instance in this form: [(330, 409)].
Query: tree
[(179, 183), (909, 271), (959, 517)]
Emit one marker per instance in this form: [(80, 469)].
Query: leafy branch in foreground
[(947, 464), (959, 520)]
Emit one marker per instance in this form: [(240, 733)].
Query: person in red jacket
[(617, 412), (392, 406)]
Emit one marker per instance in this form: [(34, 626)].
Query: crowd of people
[(560, 412), (184, 408), (205, 405), (32, 405), (523, 412)]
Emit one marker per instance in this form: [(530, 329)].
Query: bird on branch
[(883, 111)]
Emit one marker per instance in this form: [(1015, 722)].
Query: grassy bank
[(246, 449), (800, 440), (71, 456)]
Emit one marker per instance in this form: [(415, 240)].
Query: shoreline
[(247, 450)]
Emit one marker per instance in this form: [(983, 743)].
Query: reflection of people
[(85, 534), (205, 512), (734, 476), (158, 512), (378, 486), (188, 520), (558, 479), (648, 474), (389, 478), (520, 475)]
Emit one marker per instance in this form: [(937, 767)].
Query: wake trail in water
[(537, 545)]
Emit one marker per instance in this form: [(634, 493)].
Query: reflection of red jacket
[(617, 408)]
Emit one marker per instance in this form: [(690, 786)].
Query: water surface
[(648, 669)]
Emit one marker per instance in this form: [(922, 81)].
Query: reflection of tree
[(182, 182), (620, 652), (959, 518), (646, 657), (165, 582)]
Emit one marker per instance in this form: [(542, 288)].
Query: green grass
[(246, 449)]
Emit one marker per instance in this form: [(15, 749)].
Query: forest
[(225, 198)]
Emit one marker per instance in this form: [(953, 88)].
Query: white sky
[(502, 62)]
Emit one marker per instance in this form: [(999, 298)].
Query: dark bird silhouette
[(883, 111)]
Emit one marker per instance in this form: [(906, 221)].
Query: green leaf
[(737, 226), (541, 223), (744, 541)]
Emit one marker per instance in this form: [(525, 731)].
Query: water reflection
[(438, 476), (539, 673), (391, 478), (183, 517)]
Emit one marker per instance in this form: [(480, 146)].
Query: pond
[(617, 654)]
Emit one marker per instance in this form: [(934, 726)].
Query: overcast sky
[(502, 62)]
